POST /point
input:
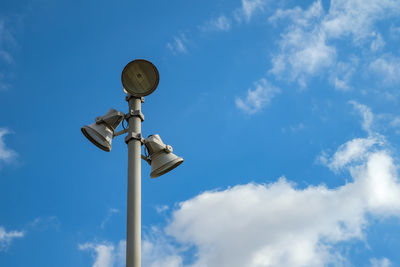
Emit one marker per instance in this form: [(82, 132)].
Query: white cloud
[(5, 39), (380, 262), (352, 151), (304, 49), (161, 208), (45, 223), (366, 114), (258, 98), (7, 237), (357, 149), (307, 47), (105, 254), (248, 8), (394, 31), (388, 68), (157, 251), (395, 122), (222, 23), (178, 44), (7, 44), (110, 213), (356, 18), (342, 74), (378, 43), (6, 154), (298, 127)]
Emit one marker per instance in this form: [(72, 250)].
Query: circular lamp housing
[(140, 78)]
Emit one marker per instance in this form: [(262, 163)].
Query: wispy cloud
[(357, 149), (6, 42), (44, 224), (388, 68), (366, 114), (306, 47), (257, 98), (6, 38), (6, 154), (394, 31), (110, 213), (161, 208), (342, 73), (378, 43), (7, 237), (222, 23), (178, 44), (105, 254), (384, 262), (157, 251), (395, 122), (249, 8)]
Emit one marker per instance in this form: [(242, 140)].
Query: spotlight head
[(162, 160), (140, 78), (101, 132)]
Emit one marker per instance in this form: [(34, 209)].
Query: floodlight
[(101, 132), (162, 160), (140, 78)]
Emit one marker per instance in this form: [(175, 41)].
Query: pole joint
[(129, 96), (134, 136), (135, 113)]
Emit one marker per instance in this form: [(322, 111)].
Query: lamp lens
[(96, 138), (140, 77)]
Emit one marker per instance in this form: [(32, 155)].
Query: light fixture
[(101, 132), (140, 78), (161, 158)]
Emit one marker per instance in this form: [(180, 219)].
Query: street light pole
[(134, 142), (139, 78)]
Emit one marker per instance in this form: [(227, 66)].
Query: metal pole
[(133, 233)]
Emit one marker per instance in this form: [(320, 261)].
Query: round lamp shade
[(140, 77)]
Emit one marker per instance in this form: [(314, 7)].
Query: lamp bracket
[(147, 159), (112, 119), (135, 113), (120, 132), (134, 136), (167, 149), (129, 96)]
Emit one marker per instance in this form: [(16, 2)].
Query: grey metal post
[(134, 139)]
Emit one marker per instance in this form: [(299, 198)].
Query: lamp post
[(139, 78), (133, 226)]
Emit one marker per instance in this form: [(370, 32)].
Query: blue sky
[(286, 113)]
